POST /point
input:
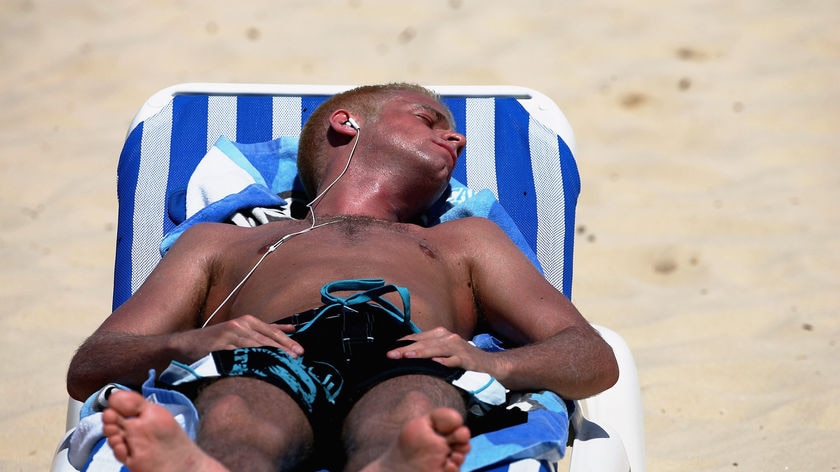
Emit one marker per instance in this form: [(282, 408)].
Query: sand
[(707, 137)]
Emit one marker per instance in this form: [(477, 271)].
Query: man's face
[(413, 135)]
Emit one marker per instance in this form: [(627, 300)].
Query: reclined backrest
[(511, 150)]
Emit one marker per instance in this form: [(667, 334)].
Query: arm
[(560, 351), (161, 321)]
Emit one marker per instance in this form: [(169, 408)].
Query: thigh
[(246, 420), (376, 419)]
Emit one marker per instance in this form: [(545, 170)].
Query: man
[(376, 158)]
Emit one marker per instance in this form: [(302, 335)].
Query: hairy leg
[(246, 424), (438, 441), (409, 423), (145, 437)]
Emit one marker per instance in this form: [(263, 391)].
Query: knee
[(276, 428), (235, 401), (223, 410), (238, 397), (418, 401), (431, 394), (227, 404)]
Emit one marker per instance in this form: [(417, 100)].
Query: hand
[(445, 347), (244, 331)]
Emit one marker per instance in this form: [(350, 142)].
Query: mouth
[(452, 150)]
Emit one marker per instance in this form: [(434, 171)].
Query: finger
[(248, 331), (279, 333), (407, 348), (434, 333), (286, 328), (400, 353), (419, 350), (277, 338), (451, 361), (286, 342)]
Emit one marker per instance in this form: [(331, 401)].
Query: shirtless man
[(376, 158)]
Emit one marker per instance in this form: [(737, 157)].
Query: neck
[(360, 202)]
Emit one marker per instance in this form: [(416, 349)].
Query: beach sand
[(706, 138)]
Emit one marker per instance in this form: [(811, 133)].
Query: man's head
[(363, 104)]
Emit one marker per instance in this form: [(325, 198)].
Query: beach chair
[(519, 146)]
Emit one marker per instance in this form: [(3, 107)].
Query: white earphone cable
[(285, 238)]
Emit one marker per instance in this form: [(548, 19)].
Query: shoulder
[(206, 236), (469, 237), (208, 241), (222, 239), (470, 227)]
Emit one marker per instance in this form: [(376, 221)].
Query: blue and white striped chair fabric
[(527, 165)]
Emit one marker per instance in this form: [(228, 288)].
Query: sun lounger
[(520, 147)]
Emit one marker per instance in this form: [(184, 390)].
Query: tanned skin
[(458, 273)]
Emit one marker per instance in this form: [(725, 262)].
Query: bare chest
[(290, 278)]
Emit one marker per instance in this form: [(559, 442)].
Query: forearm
[(110, 356), (576, 363), (117, 357)]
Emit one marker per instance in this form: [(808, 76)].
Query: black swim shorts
[(345, 342)]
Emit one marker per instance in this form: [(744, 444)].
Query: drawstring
[(368, 291)]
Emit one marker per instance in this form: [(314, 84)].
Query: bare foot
[(436, 442), (145, 437)]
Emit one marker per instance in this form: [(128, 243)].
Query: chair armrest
[(73, 409), (613, 415), (61, 463), (596, 448)]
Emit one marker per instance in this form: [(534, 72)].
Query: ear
[(339, 122)]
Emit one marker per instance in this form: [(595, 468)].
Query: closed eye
[(432, 117), (428, 119)]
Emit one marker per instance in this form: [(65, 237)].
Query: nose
[(458, 139)]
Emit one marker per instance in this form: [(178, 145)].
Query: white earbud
[(352, 123)]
